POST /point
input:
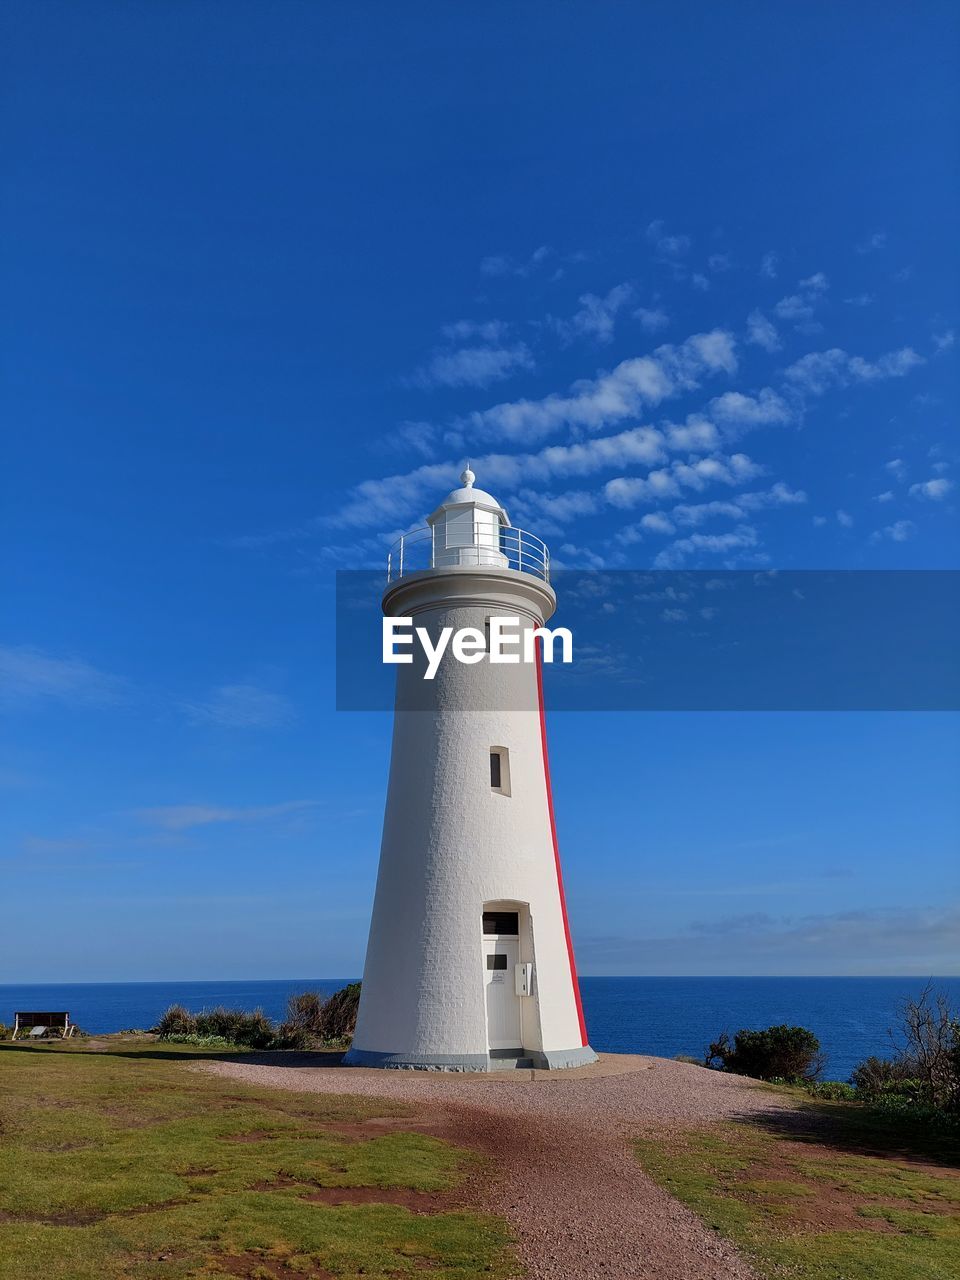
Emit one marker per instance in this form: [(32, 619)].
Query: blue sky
[(681, 280)]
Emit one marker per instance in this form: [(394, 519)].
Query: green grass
[(126, 1165), (844, 1194)]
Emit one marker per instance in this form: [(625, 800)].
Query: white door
[(500, 955)]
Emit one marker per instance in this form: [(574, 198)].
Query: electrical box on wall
[(523, 975)]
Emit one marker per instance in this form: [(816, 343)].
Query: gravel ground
[(567, 1179)]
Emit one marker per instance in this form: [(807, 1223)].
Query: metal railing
[(507, 548)]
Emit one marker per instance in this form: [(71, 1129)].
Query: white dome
[(467, 494)]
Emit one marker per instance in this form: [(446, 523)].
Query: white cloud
[(900, 531), (873, 242), (651, 320), (180, 817), (944, 341), (794, 307), (696, 435), (897, 468), (597, 316), (27, 673), (490, 331), (817, 283), (817, 372), (778, 495), (741, 539), (700, 281), (671, 246), (720, 262), (473, 366), (501, 264), (582, 556), (632, 491), (622, 393), (860, 300), (692, 516), (769, 264), (845, 518), (762, 332), (241, 706), (884, 497), (736, 409), (935, 490), (657, 522)]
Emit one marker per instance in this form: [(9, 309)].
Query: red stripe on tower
[(556, 851)]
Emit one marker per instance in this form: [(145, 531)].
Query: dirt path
[(566, 1180)]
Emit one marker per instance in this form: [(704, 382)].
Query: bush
[(312, 1021), (253, 1030), (784, 1053), (176, 1021), (924, 1072), (831, 1090), (876, 1075), (203, 1042)]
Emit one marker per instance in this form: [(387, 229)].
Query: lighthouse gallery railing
[(509, 548)]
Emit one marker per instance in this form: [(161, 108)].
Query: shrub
[(784, 1053), (876, 1075), (831, 1090), (253, 1030), (201, 1041), (340, 1013), (311, 1020), (176, 1021), (928, 1037)]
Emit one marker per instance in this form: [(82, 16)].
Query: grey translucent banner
[(699, 641)]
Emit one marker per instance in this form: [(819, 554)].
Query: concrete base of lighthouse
[(555, 1060)]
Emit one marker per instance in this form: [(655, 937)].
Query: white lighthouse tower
[(469, 963)]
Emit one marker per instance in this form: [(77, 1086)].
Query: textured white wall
[(452, 844)]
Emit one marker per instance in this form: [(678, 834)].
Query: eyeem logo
[(469, 644)]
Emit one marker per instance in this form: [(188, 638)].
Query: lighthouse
[(470, 965)]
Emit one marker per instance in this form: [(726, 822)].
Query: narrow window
[(486, 634), (500, 770), (496, 770), (496, 962)]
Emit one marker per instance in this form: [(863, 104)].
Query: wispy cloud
[(632, 491), (28, 673), (596, 317), (735, 409), (623, 393), (181, 817), (669, 245), (815, 373), (241, 706), (933, 490), (885, 940), (899, 531), (477, 366), (743, 538), (501, 264), (652, 319), (761, 332), (877, 240), (769, 265)]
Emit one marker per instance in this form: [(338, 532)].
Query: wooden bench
[(38, 1024)]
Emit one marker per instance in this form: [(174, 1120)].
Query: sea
[(851, 1017)]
